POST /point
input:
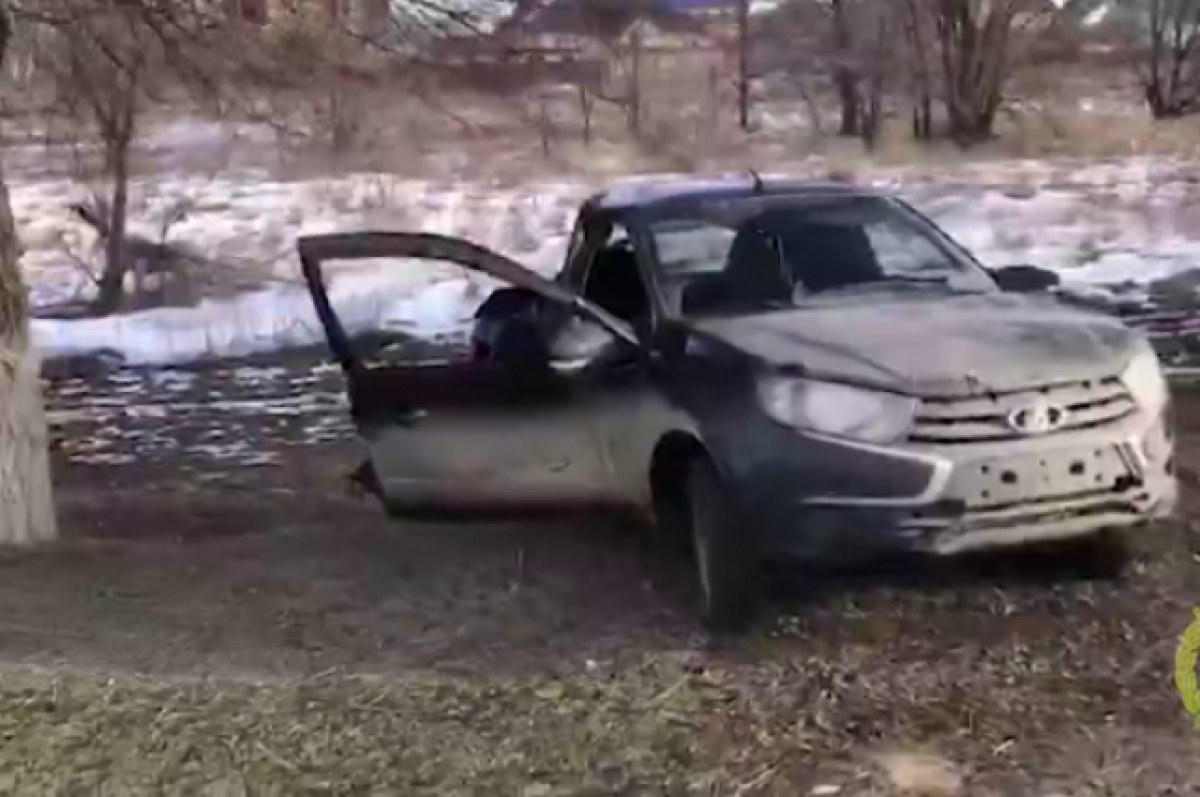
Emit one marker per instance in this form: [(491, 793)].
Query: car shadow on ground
[(1046, 565), (261, 574)]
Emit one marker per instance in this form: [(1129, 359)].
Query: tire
[(1105, 555), (725, 555)]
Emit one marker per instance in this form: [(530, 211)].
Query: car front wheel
[(1104, 555), (725, 555)]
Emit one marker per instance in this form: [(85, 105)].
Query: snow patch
[(1099, 225)]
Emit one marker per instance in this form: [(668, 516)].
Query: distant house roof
[(601, 18), (692, 6), (699, 5)]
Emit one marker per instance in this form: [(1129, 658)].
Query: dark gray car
[(784, 368)]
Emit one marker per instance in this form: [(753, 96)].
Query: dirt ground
[(237, 623)]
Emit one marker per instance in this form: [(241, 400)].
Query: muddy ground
[(224, 618)]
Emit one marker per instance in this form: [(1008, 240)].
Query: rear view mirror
[(1025, 279)]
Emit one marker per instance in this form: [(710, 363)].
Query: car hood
[(943, 346)]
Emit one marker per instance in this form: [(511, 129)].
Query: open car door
[(464, 437)]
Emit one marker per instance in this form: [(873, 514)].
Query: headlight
[(834, 409), (1144, 379)]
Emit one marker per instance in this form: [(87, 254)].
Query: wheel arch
[(669, 462)]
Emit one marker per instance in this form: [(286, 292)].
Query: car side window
[(614, 281), (609, 279), (900, 250)]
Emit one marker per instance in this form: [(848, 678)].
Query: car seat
[(494, 315), (822, 257), (754, 275)]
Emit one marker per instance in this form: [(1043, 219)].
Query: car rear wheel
[(725, 556)]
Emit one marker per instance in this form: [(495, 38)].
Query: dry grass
[(452, 132), (343, 655), (689, 123), (571, 682), (665, 726)]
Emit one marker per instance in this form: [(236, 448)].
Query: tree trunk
[(1167, 101), (26, 498), (971, 121), (585, 111), (974, 55), (851, 102), (922, 119), (633, 92), (111, 290), (871, 113), (846, 74), (117, 128), (920, 73), (743, 68)]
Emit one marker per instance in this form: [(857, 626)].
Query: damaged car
[(771, 368)]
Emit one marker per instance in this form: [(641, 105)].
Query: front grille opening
[(1089, 404), (1118, 489), (1036, 517)]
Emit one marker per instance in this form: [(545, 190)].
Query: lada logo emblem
[(1040, 417)]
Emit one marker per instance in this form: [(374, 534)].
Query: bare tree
[(26, 496), (101, 70), (875, 56), (846, 67), (820, 36), (977, 43), (618, 31), (915, 21), (1164, 36), (111, 62), (107, 63), (856, 49)]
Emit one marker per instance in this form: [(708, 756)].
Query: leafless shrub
[(105, 65), (957, 53), (916, 22), (162, 272), (1164, 39), (977, 44), (848, 42)]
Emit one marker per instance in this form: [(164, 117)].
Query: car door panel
[(453, 437), (475, 435)]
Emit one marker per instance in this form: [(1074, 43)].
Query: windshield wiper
[(945, 281), (885, 281), (912, 279)]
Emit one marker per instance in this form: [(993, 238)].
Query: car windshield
[(763, 253)]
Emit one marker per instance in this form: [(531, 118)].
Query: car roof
[(647, 193)]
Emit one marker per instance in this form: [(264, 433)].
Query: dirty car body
[(858, 382)]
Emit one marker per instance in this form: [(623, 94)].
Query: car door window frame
[(316, 250), (594, 245)]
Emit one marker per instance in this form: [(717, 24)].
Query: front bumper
[(985, 495)]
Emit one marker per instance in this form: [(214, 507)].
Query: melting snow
[(1096, 224)]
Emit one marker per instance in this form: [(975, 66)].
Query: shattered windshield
[(765, 253)]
